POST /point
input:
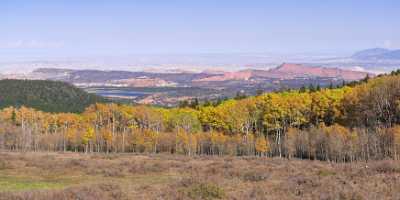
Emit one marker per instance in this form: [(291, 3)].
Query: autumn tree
[(261, 146)]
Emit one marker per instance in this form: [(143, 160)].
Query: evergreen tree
[(240, 95), (331, 85), (183, 104), (302, 89), (207, 103), (194, 103), (259, 92), (311, 88)]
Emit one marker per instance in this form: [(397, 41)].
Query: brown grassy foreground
[(79, 176)]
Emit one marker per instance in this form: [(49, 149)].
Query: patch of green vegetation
[(206, 191), (9, 183), (12, 183), (324, 173)]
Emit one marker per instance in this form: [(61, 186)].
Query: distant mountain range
[(286, 71), (377, 54)]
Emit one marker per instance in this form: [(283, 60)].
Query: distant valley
[(170, 88)]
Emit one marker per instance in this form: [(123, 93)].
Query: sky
[(56, 28)]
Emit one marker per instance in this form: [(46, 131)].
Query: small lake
[(117, 92)]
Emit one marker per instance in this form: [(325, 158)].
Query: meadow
[(42, 175)]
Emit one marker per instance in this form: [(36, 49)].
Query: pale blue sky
[(94, 27)]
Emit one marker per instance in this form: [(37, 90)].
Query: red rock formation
[(289, 71)]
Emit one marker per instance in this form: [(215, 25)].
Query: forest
[(356, 122), (49, 96)]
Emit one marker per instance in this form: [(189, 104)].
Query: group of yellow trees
[(344, 124)]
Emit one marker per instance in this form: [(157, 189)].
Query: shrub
[(113, 172), (205, 191), (324, 173), (3, 164), (255, 176)]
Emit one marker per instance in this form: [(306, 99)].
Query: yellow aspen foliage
[(107, 135), (186, 142), (218, 138), (193, 142), (237, 138), (261, 145), (138, 139), (71, 134), (89, 135), (7, 113), (249, 139), (182, 138), (150, 140)]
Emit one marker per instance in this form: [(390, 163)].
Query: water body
[(108, 92)]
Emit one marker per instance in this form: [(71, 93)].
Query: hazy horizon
[(68, 29)]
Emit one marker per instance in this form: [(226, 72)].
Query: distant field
[(122, 176), (165, 95), (135, 91)]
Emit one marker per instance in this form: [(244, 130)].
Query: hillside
[(48, 96), (289, 70)]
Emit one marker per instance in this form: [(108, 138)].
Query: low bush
[(205, 191), (255, 176)]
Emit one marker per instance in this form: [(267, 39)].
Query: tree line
[(357, 122)]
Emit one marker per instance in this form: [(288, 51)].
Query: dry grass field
[(127, 176)]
